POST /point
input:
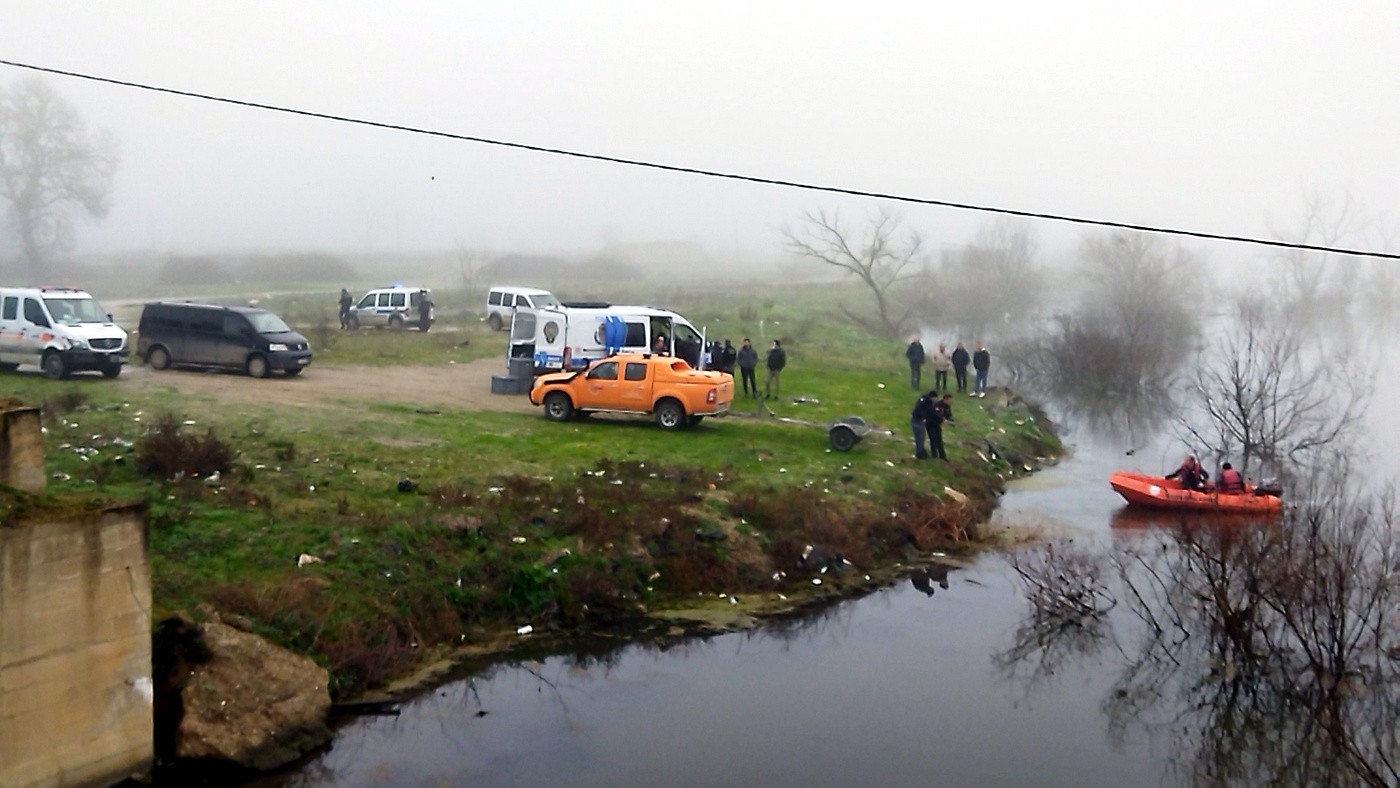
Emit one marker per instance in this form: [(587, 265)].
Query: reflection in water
[(1262, 653)]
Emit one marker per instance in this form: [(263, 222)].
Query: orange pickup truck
[(676, 393)]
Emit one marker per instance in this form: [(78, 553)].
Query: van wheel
[(111, 371), (396, 323), (494, 321), (558, 406), (7, 367), (257, 367), (424, 326), (352, 322), (54, 368), (670, 415), (158, 357)]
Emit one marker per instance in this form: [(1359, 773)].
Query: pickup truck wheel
[(670, 415), (158, 357), (558, 406), (494, 322), (54, 368)]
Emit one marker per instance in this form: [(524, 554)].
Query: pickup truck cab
[(668, 388)]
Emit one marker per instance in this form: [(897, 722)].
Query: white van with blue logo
[(571, 336), (60, 330)]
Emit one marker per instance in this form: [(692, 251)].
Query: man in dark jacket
[(777, 359), (943, 414), (915, 354), (960, 362), (726, 358), (981, 362), (747, 358), (346, 301), (925, 413)]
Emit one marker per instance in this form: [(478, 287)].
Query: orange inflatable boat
[(1142, 490)]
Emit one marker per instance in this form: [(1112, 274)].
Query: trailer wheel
[(842, 438)]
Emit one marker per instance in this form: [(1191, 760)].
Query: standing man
[(915, 354), (748, 360), (981, 362), (425, 310), (960, 362), (942, 414), (777, 359), (345, 303), (726, 358), (941, 364), (921, 421)]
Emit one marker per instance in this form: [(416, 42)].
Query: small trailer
[(846, 433)]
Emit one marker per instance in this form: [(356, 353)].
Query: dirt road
[(466, 386)]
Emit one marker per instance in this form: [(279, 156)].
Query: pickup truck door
[(601, 385), (633, 391)]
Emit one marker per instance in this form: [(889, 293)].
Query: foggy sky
[(1203, 115)]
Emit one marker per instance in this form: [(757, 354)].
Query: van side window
[(396, 299), (11, 307), (206, 324), (524, 301), (636, 371), (384, 300), (494, 299), (34, 313), (636, 336), (604, 371), (508, 300), (233, 326)]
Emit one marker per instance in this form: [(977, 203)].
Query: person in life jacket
[(1192, 475), (1230, 480)]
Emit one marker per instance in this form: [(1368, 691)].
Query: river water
[(894, 688)]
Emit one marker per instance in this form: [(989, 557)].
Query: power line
[(1146, 228)]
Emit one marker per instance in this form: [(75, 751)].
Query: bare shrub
[(167, 451)]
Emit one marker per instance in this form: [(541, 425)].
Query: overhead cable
[(900, 198)]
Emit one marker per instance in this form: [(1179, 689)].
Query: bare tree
[(1268, 392), (1315, 283), (990, 280), (52, 169), (880, 255)]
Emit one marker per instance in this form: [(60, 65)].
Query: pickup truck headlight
[(277, 347)]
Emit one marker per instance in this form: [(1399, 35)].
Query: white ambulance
[(572, 335), (60, 330)]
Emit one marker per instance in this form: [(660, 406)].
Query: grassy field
[(438, 526)]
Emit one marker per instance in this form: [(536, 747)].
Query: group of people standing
[(932, 411), (942, 362), (725, 358)]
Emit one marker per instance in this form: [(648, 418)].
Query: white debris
[(307, 559), (525, 630), (518, 539), (879, 385), (816, 581)]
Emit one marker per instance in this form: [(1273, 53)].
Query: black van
[(204, 335)]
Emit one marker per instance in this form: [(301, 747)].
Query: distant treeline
[(262, 268)]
